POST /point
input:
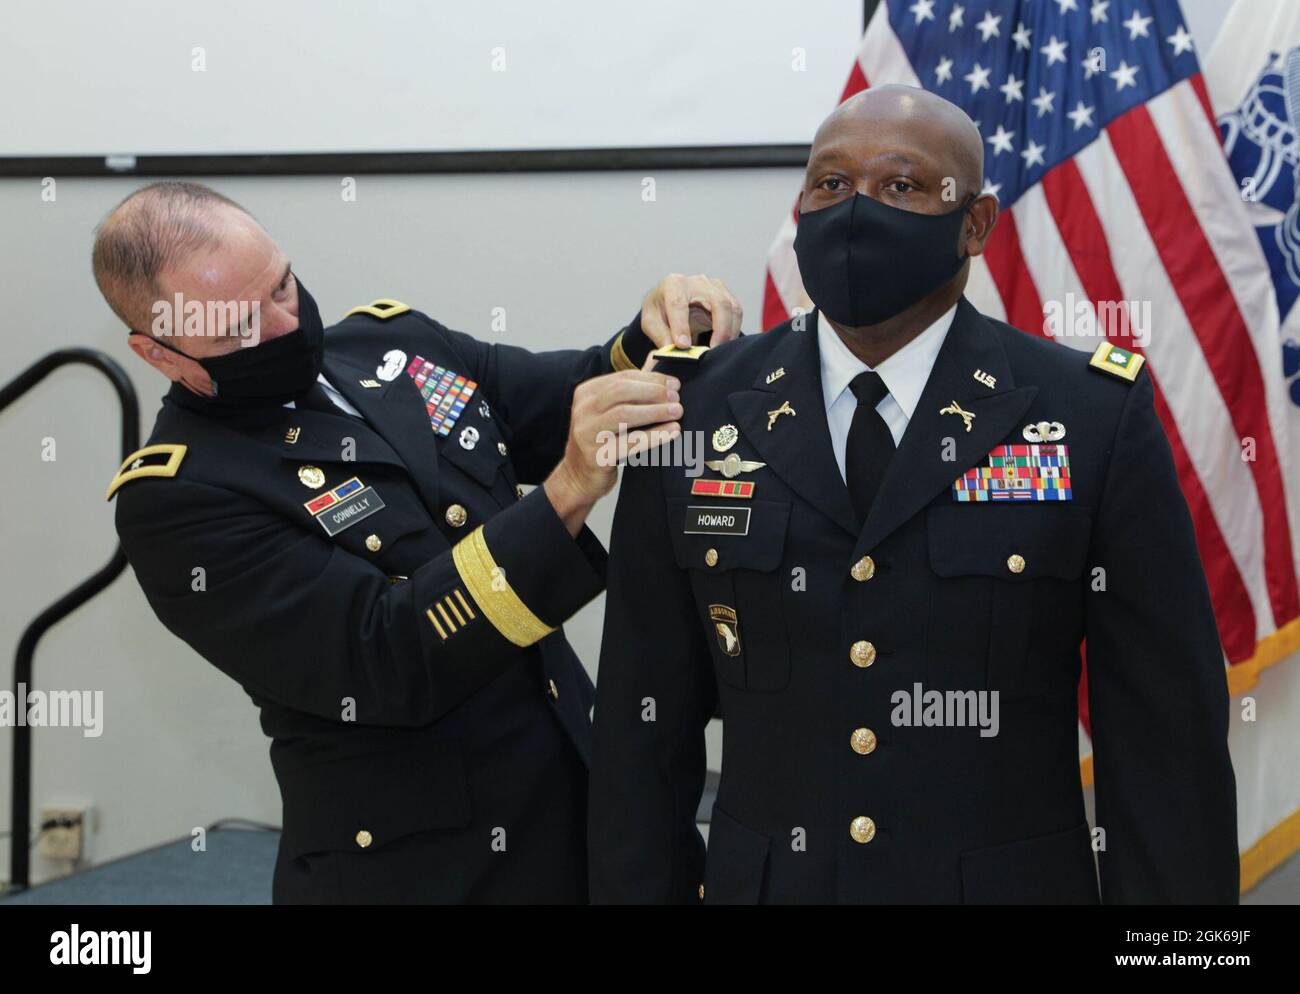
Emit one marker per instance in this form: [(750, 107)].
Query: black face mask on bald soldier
[(273, 372), (863, 262)]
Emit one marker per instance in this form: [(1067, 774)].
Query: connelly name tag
[(344, 506)]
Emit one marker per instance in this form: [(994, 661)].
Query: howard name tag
[(717, 520), (349, 505)]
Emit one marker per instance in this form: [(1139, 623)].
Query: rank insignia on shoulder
[(445, 393), (383, 308), (672, 352), (1016, 473), (153, 460), (344, 506), (727, 627), (1116, 361)]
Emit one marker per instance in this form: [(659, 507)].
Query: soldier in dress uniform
[(913, 517), (337, 519)]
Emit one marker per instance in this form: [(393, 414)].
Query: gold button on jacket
[(456, 515), (863, 569), (373, 543), (863, 829), (863, 741), (863, 654), (1016, 563), (364, 839)]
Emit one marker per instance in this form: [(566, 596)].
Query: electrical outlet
[(62, 833)]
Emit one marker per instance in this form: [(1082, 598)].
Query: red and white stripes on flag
[(1149, 212)]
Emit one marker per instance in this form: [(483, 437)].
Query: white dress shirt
[(333, 394), (905, 374)]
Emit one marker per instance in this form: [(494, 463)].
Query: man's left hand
[(682, 308)]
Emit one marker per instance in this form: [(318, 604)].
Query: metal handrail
[(21, 788)]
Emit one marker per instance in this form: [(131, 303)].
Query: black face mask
[(863, 262), (273, 372)]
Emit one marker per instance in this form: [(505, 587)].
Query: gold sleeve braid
[(618, 357), (486, 583)]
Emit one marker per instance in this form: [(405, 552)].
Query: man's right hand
[(614, 416)]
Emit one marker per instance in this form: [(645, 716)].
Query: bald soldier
[(913, 518), (336, 519)]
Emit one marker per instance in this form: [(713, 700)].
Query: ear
[(176, 367), (154, 354), (981, 218)]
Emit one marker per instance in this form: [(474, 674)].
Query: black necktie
[(316, 399), (870, 443)]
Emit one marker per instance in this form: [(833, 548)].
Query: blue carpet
[(235, 869)]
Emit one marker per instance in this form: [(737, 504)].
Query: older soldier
[(336, 519)]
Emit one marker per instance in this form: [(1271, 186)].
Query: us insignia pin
[(727, 627), (988, 379), (369, 384), (725, 437), (291, 436), (775, 375)]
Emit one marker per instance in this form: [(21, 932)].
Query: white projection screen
[(274, 77)]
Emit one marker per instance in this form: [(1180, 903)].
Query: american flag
[(1115, 192)]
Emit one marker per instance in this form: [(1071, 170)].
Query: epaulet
[(144, 462), (674, 355), (383, 308), (1117, 362)]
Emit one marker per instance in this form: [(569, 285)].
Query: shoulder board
[(152, 460), (674, 354), (383, 308), (1117, 362)]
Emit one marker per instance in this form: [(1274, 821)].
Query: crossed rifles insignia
[(954, 408)]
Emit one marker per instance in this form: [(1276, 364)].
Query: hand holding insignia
[(682, 308), (613, 417)]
